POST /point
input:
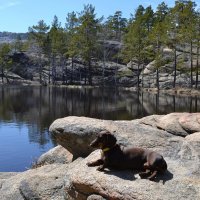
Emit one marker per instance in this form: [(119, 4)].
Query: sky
[(18, 15)]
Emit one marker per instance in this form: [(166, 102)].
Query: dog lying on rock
[(116, 157)]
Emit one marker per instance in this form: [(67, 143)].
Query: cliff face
[(111, 72), (166, 70)]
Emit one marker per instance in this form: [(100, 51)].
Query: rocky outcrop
[(181, 124), (148, 76), (75, 180)]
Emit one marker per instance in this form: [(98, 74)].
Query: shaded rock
[(58, 155), (95, 197), (42, 183)]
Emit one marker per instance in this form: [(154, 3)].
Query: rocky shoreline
[(175, 91), (62, 172)]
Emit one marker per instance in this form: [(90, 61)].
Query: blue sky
[(18, 15)]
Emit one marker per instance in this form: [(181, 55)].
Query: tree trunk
[(85, 75), (72, 72), (175, 67), (138, 76), (104, 64), (40, 68), (197, 67), (2, 75), (90, 73), (49, 75), (157, 78), (191, 64), (62, 66), (66, 75), (53, 70)]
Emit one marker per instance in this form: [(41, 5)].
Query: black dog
[(117, 157)]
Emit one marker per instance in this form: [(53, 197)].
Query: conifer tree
[(87, 37), (72, 39), (5, 60), (117, 24), (38, 34), (134, 41)]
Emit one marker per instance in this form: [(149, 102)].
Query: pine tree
[(54, 45), (18, 45), (187, 25), (134, 41), (198, 47), (72, 49), (5, 60), (117, 25), (158, 36), (38, 34), (87, 37)]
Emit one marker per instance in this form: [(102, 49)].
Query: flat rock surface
[(177, 183)]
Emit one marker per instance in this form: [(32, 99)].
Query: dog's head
[(104, 140)]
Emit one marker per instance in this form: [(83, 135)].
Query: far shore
[(179, 91)]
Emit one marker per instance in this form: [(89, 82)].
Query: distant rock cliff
[(8, 37)]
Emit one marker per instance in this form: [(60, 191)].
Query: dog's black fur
[(117, 157)]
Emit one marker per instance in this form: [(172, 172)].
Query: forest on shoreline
[(142, 39)]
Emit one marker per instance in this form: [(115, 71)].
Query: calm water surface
[(27, 112)]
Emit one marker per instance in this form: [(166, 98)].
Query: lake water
[(27, 112)]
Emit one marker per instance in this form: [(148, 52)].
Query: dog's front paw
[(100, 168), (151, 178), (89, 164), (142, 175)]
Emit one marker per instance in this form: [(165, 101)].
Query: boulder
[(181, 124), (190, 122), (58, 155), (43, 183), (76, 133)]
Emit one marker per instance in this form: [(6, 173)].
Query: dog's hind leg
[(95, 163), (101, 168), (153, 175), (145, 174)]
